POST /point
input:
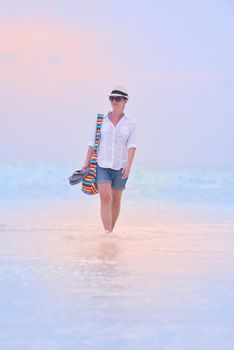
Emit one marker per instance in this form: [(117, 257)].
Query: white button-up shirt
[(115, 142)]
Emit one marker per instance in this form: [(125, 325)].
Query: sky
[(60, 59)]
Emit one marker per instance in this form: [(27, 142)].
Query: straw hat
[(119, 91)]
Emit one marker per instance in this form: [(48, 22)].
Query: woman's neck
[(116, 115)]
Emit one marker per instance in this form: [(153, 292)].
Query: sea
[(200, 190)]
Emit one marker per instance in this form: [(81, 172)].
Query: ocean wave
[(191, 185)]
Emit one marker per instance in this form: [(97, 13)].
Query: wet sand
[(162, 280)]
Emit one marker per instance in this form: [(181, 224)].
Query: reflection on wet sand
[(146, 285)]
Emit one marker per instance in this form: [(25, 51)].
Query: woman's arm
[(131, 154), (88, 156)]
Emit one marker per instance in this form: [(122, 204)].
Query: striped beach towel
[(89, 185)]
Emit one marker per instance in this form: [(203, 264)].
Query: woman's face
[(118, 102)]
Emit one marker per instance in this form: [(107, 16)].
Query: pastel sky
[(60, 59)]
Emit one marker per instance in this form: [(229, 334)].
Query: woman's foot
[(107, 231)]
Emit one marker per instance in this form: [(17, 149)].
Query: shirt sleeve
[(132, 137), (92, 140)]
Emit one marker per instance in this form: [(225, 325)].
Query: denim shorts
[(114, 177)]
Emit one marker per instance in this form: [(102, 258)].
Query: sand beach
[(162, 280)]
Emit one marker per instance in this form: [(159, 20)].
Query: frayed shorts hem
[(113, 188), (118, 189), (103, 182)]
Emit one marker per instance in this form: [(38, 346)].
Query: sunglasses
[(116, 98)]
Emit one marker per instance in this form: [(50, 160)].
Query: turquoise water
[(198, 188)]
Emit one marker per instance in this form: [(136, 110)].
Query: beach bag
[(89, 185)]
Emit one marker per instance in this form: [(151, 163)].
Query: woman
[(114, 157)]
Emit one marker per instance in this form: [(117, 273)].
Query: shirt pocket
[(124, 133)]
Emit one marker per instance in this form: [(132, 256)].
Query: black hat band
[(119, 92)]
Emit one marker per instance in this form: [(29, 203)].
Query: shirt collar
[(107, 115)]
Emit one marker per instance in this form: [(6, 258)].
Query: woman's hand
[(125, 172), (86, 165)]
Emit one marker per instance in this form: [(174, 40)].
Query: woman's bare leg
[(106, 208), (116, 201)]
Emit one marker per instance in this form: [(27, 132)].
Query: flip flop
[(78, 176)]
